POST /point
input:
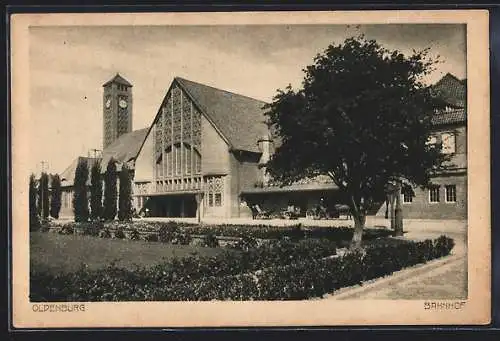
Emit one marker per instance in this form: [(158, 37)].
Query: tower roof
[(118, 79)]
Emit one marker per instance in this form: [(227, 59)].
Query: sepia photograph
[(240, 169)]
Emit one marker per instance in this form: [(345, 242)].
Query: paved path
[(445, 278), (446, 281)]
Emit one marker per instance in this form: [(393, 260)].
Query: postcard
[(250, 169)]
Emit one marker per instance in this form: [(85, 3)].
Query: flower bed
[(167, 230), (276, 272)]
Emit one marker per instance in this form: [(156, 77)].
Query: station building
[(202, 155)]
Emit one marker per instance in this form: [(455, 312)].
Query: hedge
[(237, 278), (179, 270)]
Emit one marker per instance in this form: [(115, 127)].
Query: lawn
[(66, 253)]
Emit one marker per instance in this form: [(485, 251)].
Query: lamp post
[(398, 211)]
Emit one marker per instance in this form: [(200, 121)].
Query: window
[(197, 162), (448, 143), (432, 140), (218, 199), (214, 190), (407, 196), (434, 194), (451, 193), (187, 159), (178, 159)]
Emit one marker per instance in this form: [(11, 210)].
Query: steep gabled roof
[(68, 176), (452, 90), (125, 148), (240, 119), (119, 80)]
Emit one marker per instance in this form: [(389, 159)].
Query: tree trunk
[(359, 224), (387, 207), (393, 216), (398, 213), (359, 217)]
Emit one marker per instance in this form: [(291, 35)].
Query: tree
[(34, 218), (362, 117), (95, 191), (43, 196), (110, 194), (55, 197), (125, 198), (80, 188)]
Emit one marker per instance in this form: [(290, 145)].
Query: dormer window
[(431, 140), (448, 143)]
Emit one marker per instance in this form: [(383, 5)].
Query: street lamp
[(396, 213)]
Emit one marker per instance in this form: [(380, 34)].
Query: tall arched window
[(159, 166), (181, 159)]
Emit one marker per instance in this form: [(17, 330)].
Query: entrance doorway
[(173, 206)]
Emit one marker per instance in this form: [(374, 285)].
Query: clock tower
[(117, 109)]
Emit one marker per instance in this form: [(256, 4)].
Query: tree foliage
[(95, 191), (34, 218), (110, 191), (80, 188), (55, 196), (125, 198), (43, 196), (362, 117)]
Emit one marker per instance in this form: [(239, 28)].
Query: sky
[(68, 66)]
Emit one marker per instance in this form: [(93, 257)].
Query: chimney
[(265, 147)]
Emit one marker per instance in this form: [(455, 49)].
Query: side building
[(447, 197)]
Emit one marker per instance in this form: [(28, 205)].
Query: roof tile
[(239, 118)]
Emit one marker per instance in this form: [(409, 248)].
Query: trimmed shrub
[(167, 233), (96, 191), (246, 243), (183, 238), (110, 191), (152, 237), (443, 246), (67, 229), (80, 188), (43, 196), (125, 197), (119, 234), (55, 196), (134, 234), (210, 240), (233, 276), (105, 233), (44, 227), (34, 217), (92, 228)]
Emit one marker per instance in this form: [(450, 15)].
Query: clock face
[(122, 103), (108, 103)]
